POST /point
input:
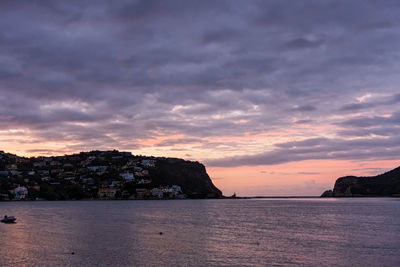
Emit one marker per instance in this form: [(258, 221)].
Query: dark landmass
[(383, 185), (283, 197), (191, 176), (102, 175)]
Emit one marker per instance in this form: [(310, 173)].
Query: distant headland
[(102, 175), (383, 185)]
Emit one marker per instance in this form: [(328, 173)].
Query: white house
[(176, 188), (115, 184), (39, 164), (43, 172), (87, 180), (137, 169), (55, 163), (157, 192), (21, 192), (127, 176), (97, 168), (148, 162), (107, 193), (144, 181)]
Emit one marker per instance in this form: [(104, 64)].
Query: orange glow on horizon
[(309, 177)]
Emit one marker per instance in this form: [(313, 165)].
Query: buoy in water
[(161, 233)]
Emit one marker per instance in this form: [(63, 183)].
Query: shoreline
[(222, 198)]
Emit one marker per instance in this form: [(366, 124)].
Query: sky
[(274, 97)]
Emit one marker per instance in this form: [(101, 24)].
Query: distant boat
[(8, 219)]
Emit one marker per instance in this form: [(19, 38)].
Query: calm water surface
[(265, 232)]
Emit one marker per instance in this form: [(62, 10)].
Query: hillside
[(102, 175), (387, 184)]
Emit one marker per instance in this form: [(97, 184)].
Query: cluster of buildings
[(95, 174), (162, 192), (18, 193)]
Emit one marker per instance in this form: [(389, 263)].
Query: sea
[(220, 232)]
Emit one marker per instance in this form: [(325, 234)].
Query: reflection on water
[(278, 232)]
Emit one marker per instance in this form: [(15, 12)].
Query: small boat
[(8, 219)]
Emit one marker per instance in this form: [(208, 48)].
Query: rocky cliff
[(387, 184), (191, 176)]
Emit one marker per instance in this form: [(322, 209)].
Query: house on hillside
[(157, 193), (127, 176), (43, 172), (148, 162), (107, 193), (20, 192), (12, 167), (144, 181), (97, 168), (142, 193), (55, 163), (39, 164)]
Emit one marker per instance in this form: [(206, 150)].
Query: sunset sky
[(274, 97)]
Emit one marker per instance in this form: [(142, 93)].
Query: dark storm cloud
[(302, 43), (357, 106), (366, 121), (112, 72), (321, 148), (371, 131), (381, 101), (303, 121), (179, 141), (385, 144), (220, 36), (305, 108), (370, 126)]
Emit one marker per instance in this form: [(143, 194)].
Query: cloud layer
[(231, 83)]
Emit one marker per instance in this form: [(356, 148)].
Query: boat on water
[(8, 219)]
